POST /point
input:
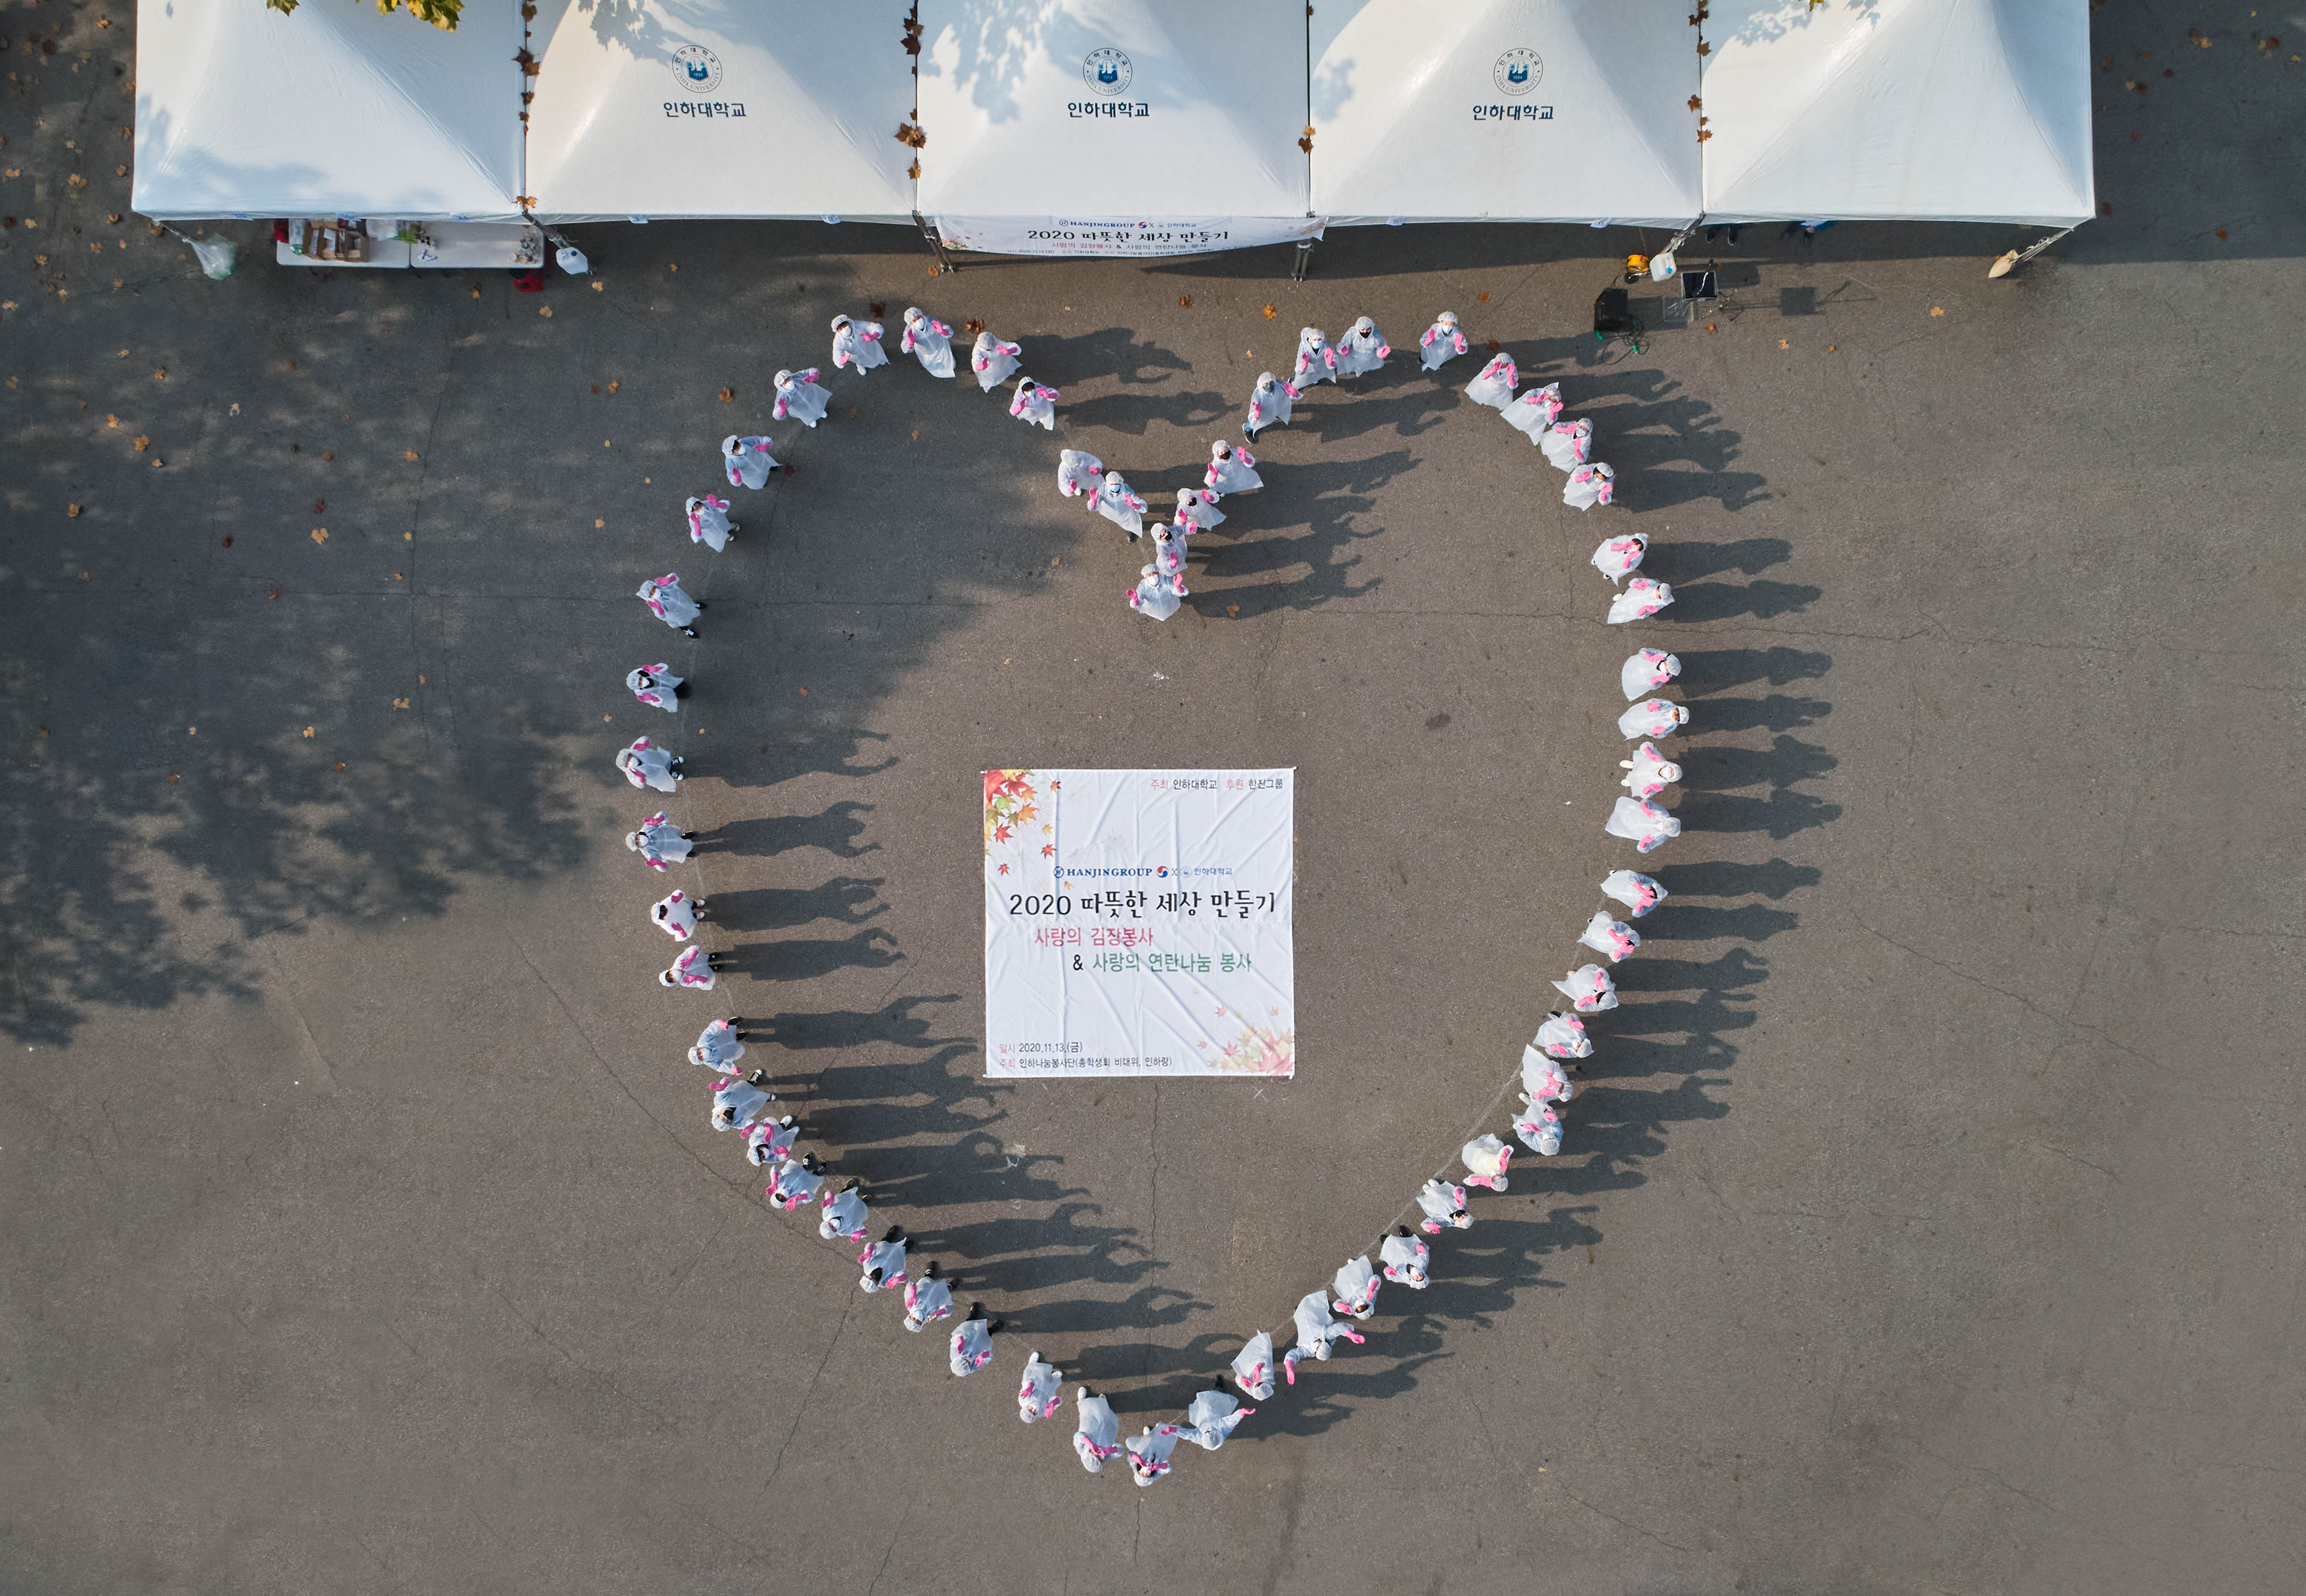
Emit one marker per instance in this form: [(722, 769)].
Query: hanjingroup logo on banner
[(1106, 72), (698, 69), (1519, 71)]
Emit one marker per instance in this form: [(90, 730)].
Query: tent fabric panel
[(1155, 108), (1510, 110), (1952, 110), (333, 110), (735, 108)]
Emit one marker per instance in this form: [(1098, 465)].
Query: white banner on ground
[(1140, 922), (1125, 235)]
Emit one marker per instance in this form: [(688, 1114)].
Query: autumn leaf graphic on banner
[(1008, 805)]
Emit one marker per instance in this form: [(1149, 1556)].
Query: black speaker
[(1609, 312), (1697, 284)]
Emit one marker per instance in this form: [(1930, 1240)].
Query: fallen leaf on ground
[(476, 291), (596, 388), (804, 692), (1828, 349), (308, 731), (408, 453), (111, 421), (1709, 326), (1495, 345), (728, 396), (273, 594), (597, 522), (159, 374), (1938, 310), (614, 385), (972, 326), (1233, 609), (337, 766), (71, 509), (320, 534), (1185, 300), (545, 310), (401, 703), (142, 443), (319, 507), (330, 454), (1483, 298), (2222, 235), (1270, 313), (877, 308), (1784, 344), (228, 540), (173, 777), (598, 286)]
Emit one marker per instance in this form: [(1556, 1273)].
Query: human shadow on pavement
[(847, 898), (802, 960), (1256, 561), (836, 830)]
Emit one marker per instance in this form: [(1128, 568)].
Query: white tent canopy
[(1948, 110), (1113, 126), (721, 108), (1505, 110), (335, 110)]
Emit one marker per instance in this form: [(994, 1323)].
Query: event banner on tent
[(1056, 235), (1139, 922)]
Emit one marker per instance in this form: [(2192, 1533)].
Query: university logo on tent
[(1519, 71), (1106, 72), (697, 68)]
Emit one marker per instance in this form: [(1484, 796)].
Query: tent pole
[(1673, 246), (2005, 264), (936, 244)]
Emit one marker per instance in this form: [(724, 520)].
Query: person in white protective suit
[(1444, 1206), (1316, 360), (799, 397), (993, 361), (1043, 1392), (1078, 471), (1035, 404), (736, 1103), (1486, 1157), (970, 1347), (1270, 405), (1640, 599), (1655, 717), (659, 843), (1149, 1454), (1532, 413), (668, 603), (1635, 890), (1253, 1367), (1354, 1285), (1641, 823), (796, 1182), (1568, 444), (1539, 1128), (1157, 593), (1232, 470), (769, 1142), (928, 341), (858, 341), (646, 765), (883, 1262), (1118, 503), (1362, 349), (1198, 505), (709, 523), (1563, 1037), (1317, 1332), (695, 969), (1588, 988), (1619, 558), (843, 1215), (928, 1298), (1652, 772), (1405, 1259), (1589, 485), (719, 1046), (1612, 938), (1495, 385), (676, 915), (1097, 1432), (1647, 670), (1213, 1416), (656, 687), (1543, 1080), (747, 460), (1440, 343)]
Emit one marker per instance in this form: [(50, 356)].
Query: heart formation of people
[(741, 1099)]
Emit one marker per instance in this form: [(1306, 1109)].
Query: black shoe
[(760, 1078), (734, 1020)]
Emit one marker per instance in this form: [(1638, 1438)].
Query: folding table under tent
[(738, 109), (1918, 110), (1113, 127), (1505, 110), (332, 111)]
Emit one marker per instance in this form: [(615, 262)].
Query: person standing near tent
[(1495, 385), (928, 341), (857, 341), (1440, 343), (709, 523), (1316, 360), (646, 765), (993, 361), (1034, 404), (1362, 349), (656, 687), (659, 843), (1077, 474), (667, 601), (799, 398), (748, 461), (1232, 470), (1269, 403)]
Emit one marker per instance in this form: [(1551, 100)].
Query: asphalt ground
[(1928, 1220)]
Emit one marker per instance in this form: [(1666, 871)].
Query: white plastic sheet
[(720, 108), (1958, 110), (1113, 126), (332, 111), (1506, 110), (1139, 922)]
